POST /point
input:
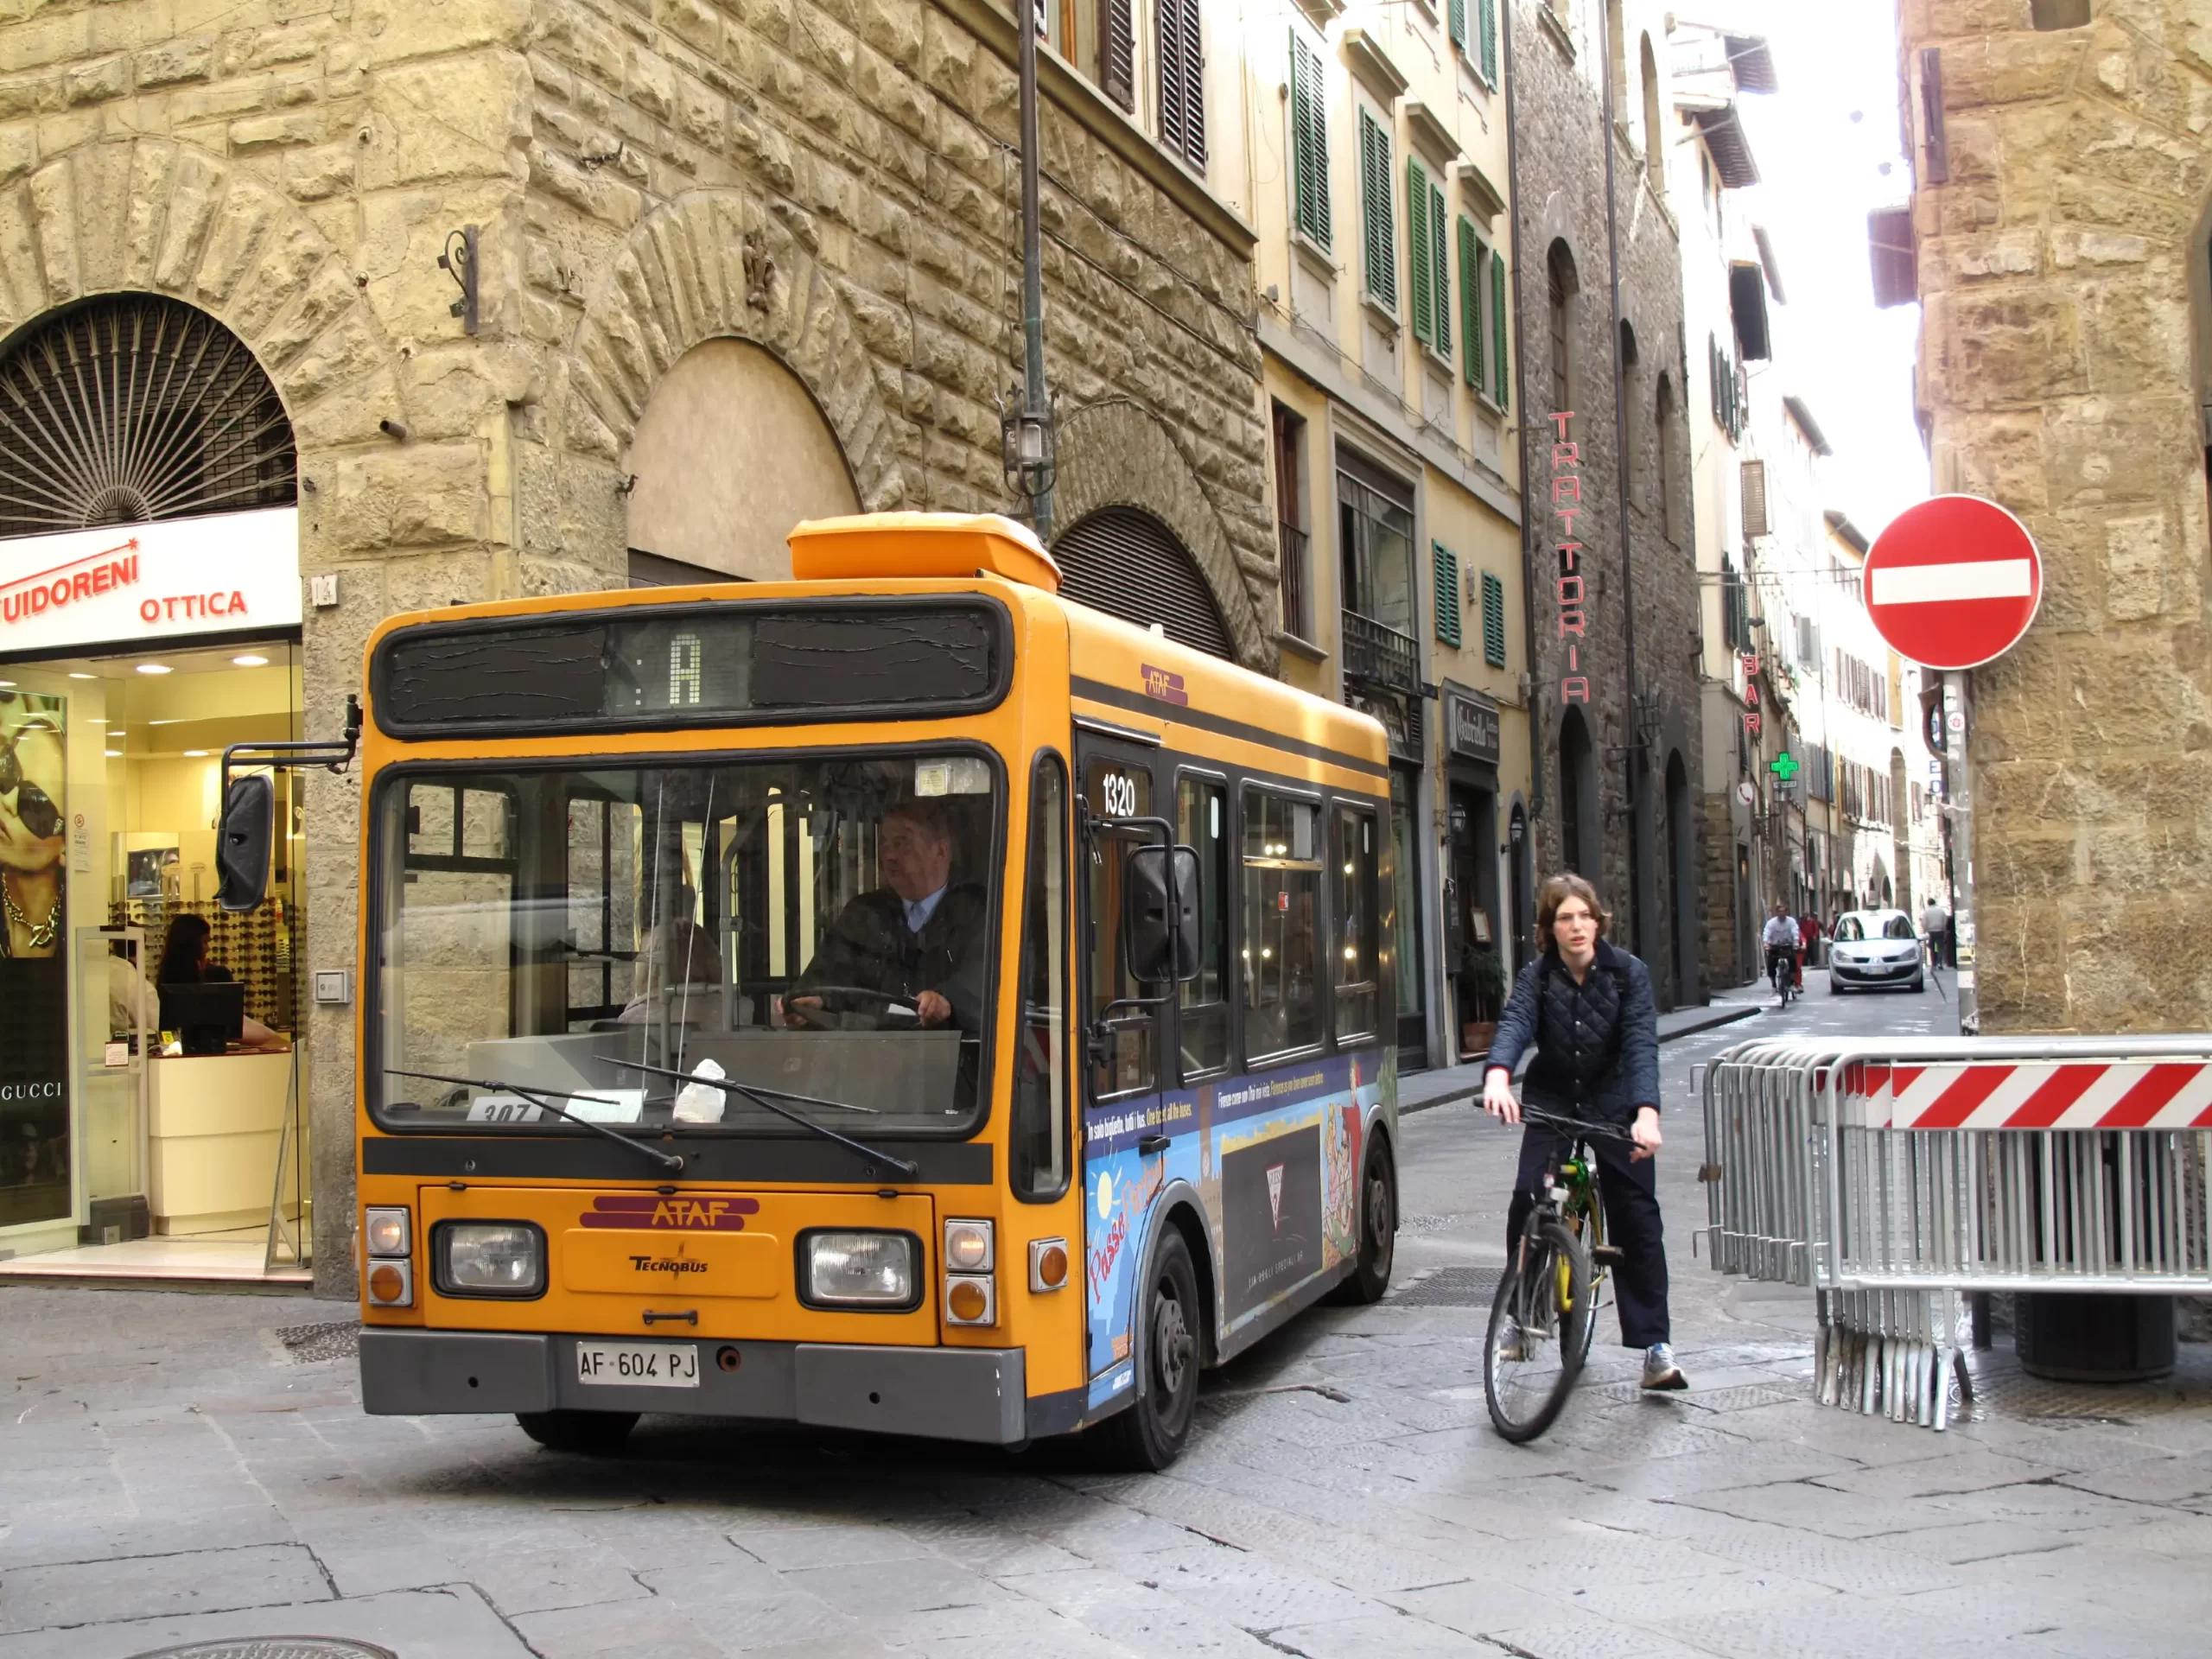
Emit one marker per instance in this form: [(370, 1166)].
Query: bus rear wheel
[(1378, 1231), (590, 1434), (1149, 1434)]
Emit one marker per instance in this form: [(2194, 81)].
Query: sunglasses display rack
[(257, 947)]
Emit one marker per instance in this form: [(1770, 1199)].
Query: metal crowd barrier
[(1892, 1178)]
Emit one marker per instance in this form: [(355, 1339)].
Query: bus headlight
[(857, 1269), (490, 1258)]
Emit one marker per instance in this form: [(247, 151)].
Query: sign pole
[(1958, 708)]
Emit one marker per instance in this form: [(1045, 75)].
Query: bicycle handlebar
[(1575, 1125)]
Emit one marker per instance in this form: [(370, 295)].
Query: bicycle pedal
[(1607, 1255)]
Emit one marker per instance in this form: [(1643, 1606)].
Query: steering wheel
[(899, 1012)]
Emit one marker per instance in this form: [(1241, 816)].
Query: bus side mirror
[(1160, 944), (242, 841)]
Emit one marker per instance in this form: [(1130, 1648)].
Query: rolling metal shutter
[(1127, 563)]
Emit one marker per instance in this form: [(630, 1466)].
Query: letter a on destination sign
[(1952, 582)]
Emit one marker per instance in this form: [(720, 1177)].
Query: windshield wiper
[(911, 1171), (544, 1099)]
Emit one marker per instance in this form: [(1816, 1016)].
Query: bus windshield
[(818, 930)]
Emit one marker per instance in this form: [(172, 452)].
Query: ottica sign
[(231, 572)]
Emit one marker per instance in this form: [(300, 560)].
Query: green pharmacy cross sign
[(1783, 766)]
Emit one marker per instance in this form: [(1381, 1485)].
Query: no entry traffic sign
[(1952, 582)]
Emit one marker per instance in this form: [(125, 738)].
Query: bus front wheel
[(593, 1433), (1149, 1435)]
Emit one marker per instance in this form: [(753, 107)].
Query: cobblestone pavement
[(181, 1468)]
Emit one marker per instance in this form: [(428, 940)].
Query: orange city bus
[(1122, 1101)]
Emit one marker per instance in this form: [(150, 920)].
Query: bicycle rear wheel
[(1539, 1332)]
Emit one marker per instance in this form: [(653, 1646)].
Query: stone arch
[(158, 216), (720, 265), (1117, 455)]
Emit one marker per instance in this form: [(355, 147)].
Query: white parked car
[(1875, 947)]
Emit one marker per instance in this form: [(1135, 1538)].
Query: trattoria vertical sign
[(1573, 613)]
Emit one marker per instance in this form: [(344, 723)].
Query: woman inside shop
[(185, 961), (32, 769)]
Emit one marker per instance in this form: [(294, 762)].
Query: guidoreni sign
[(226, 573)]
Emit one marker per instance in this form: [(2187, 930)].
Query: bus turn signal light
[(968, 1301), (1048, 1264), (392, 1285)]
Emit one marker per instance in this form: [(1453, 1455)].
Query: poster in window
[(34, 959)]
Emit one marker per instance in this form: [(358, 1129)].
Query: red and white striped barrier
[(2030, 1095)]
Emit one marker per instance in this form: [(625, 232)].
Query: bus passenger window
[(1358, 888), (1282, 897), (1202, 822), (1117, 789), (1040, 1104)]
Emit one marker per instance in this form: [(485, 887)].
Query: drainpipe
[(1635, 756), (1538, 710)]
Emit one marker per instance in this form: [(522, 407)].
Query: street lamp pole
[(1032, 447)]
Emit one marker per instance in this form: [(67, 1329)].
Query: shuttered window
[(1754, 523), (1117, 52), (1457, 23), (1446, 573), (1497, 326), (1439, 258), (1471, 283), (1486, 39), (1493, 620), (1182, 81), (1309, 141), (1417, 262), (1376, 230)]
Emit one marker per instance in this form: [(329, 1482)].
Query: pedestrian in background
[(1936, 924)]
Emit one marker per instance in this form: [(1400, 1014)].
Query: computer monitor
[(206, 1017)]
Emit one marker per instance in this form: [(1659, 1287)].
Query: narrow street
[(183, 1468)]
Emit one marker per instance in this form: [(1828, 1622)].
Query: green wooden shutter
[(1497, 324), (1447, 594), (1458, 24), (1486, 26), (1375, 211), (1470, 304), (1309, 142), (1439, 254), (1417, 246), (1493, 620)]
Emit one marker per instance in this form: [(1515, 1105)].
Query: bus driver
[(913, 941)]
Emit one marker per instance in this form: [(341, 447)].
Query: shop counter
[(215, 1122)]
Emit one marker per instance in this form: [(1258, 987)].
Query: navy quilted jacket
[(1597, 1043)]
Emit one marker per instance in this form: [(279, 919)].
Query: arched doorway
[(1126, 563), (150, 599), (1681, 841), (1521, 856), (694, 516), (1580, 846)]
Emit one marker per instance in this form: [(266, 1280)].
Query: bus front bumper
[(947, 1394)]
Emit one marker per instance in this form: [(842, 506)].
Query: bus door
[(1121, 1051)]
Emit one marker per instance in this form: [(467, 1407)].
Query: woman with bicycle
[(1587, 1009)]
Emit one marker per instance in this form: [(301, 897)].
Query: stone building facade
[(831, 186), (2063, 166), (1617, 775)]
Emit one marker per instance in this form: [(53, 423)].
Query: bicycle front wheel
[(1539, 1332)]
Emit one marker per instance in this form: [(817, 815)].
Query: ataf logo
[(1168, 688), (641, 1211)]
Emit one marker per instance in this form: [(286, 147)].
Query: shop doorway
[(1406, 937), (1477, 967), (178, 1148)]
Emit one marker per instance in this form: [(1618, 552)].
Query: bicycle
[(1543, 1321), (1781, 970)]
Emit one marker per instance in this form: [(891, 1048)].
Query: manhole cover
[(2002, 1389), (273, 1647), (1449, 1287), (303, 1345), (1428, 1224)]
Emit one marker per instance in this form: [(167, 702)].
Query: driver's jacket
[(870, 946)]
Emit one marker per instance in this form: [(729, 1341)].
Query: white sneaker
[(1660, 1370), (1511, 1348)]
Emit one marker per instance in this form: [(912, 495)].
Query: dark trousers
[(1630, 1193)]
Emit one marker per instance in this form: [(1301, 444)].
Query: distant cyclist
[(1781, 941)]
